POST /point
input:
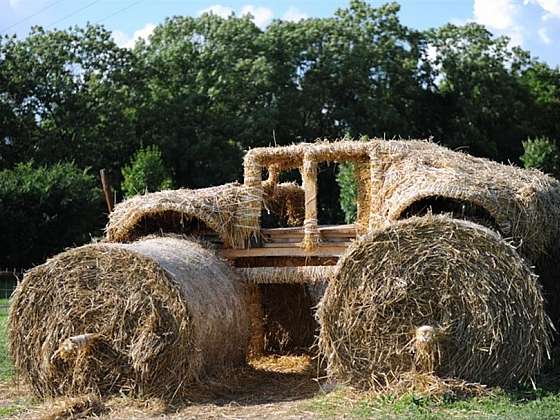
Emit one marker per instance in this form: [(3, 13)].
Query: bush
[(348, 191), (541, 153), (146, 173), (45, 209)]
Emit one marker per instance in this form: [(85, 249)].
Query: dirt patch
[(271, 387)]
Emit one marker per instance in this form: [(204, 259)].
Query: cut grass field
[(344, 402), (295, 393), (6, 368)]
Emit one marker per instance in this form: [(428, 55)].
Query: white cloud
[(125, 41), (218, 10), (501, 16), (14, 3), (543, 34), (293, 15), (552, 7), (261, 15), (497, 14)]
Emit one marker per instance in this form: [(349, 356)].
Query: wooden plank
[(344, 244), (298, 230), (322, 251)]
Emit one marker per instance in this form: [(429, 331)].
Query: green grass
[(520, 404), (6, 367)]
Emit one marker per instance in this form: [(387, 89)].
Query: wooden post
[(310, 225), (363, 177), (107, 191), (248, 222)]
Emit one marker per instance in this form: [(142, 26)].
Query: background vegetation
[(205, 89), (146, 173), (44, 209)]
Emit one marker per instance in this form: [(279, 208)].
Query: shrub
[(45, 209), (146, 173), (348, 191), (541, 153)]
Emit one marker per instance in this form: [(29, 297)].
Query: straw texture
[(523, 205), (433, 295), (232, 211), (146, 318)]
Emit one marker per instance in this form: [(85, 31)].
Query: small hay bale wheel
[(147, 318), (433, 295)]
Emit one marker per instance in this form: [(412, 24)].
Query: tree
[(207, 90), (542, 153), (346, 179), (543, 102), (67, 95), (146, 173), (481, 102), (44, 209)]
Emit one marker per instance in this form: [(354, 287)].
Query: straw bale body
[(147, 318), (433, 295)]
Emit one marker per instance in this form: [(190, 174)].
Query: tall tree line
[(204, 89)]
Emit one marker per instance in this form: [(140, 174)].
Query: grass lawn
[(542, 403), (6, 367)]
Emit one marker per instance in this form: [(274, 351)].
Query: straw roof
[(433, 295), (525, 204), (147, 318)]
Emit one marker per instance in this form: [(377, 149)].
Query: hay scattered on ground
[(157, 314), (85, 406), (430, 385), (433, 295)]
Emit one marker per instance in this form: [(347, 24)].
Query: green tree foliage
[(67, 96), (480, 101), (45, 209), (146, 173), (541, 153), (346, 179), (205, 89)]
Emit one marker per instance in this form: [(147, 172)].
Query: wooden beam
[(331, 250)]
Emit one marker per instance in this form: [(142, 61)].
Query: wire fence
[(9, 279)]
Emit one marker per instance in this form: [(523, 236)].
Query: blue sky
[(533, 24)]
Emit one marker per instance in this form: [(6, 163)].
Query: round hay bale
[(148, 318), (433, 295)]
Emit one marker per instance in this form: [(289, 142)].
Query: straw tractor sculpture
[(450, 270)]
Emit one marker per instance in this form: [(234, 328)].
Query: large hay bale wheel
[(147, 318), (433, 295)]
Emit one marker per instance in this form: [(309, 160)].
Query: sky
[(532, 24)]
